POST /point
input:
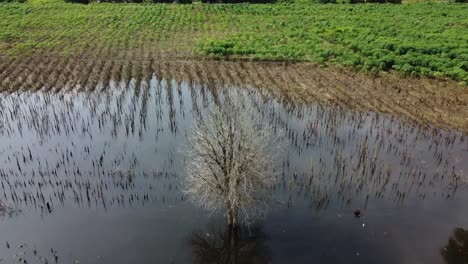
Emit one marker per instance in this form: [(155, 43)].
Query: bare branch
[(229, 161)]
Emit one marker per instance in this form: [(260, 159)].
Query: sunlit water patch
[(97, 178)]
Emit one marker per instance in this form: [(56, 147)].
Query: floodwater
[(96, 177)]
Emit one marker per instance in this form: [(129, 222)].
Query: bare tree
[(229, 163)]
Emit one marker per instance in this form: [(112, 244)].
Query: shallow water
[(97, 179)]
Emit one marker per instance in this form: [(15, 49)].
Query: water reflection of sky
[(110, 166)]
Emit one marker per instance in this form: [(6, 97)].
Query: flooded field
[(96, 177)]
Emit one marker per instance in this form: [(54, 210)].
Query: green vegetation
[(428, 39), (416, 39)]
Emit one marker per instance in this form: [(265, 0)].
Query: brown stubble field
[(441, 103)]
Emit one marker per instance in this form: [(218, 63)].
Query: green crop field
[(428, 39)]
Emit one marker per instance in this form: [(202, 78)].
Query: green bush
[(373, 1), (146, 1), (13, 1), (162, 1), (238, 1), (78, 1), (384, 1)]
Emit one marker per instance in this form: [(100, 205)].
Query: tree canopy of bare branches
[(230, 160)]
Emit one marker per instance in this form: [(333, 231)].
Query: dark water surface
[(96, 177)]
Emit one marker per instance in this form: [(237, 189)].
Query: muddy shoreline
[(439, 103)]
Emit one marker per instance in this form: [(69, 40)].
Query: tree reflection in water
[(231, 246), (456, 250)]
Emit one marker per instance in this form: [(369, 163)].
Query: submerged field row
[(440, 103), (333, 153)]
